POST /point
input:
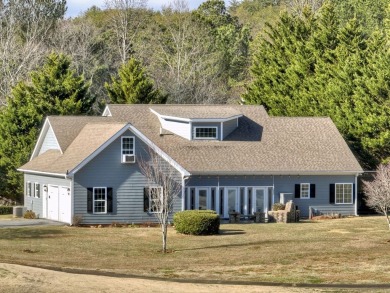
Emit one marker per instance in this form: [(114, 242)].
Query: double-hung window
[(343, 193), (153, 199), (99, 200), (127, 145), (305, 190), (205, 132)]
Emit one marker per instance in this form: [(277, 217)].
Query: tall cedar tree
[(310, 66), (54, 89), (133, 86)]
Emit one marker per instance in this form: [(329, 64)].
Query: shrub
[(278, 207), (76, 220), (29, 215), (6, 210), (197, 222)]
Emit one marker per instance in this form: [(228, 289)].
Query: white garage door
[(64, 205), (52, 203)]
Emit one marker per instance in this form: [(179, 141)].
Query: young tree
[(164, 186), (54, 89), (377, 192), (133, 86)]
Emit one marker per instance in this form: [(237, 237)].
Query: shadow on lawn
[(16, 234), (256, 243), (224, 232)]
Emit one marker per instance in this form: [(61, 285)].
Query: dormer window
[(205, 132)]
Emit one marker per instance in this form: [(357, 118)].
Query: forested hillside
[(296, 57)]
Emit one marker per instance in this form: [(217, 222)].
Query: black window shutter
[(89, 199), (109, 200), (353, 193), (146, 199), (312, 190), (331, 193), (297, 190)]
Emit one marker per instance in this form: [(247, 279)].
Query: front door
[(231, 201), (259, 200), (202, 195), (52, 203)]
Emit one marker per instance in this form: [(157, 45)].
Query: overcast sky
[(76, 7)]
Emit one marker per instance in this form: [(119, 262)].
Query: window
[(100, 200), (127, 145), (343, 192), (205, 132), (305, 190), (28, 188), (153, 199), (37, 190)]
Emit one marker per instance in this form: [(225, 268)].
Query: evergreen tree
[(313, 66), (133, 86), (54, 89)]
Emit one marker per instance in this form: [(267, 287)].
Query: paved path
[(21, 222)]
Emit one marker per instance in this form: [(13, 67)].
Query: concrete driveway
[(21, 222)]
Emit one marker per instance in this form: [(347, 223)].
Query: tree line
[(295, 57)]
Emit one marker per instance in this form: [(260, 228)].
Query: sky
[(76, 7)]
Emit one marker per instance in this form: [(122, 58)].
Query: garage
[(59, 203)]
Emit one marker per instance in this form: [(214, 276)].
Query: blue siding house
[(226, 158)]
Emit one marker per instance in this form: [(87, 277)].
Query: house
[(227, 157)]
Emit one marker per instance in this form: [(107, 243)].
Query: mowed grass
[(6, 217), (350, 250)]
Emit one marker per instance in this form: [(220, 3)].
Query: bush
[(29, 215), (6, 210), (278, 207), (197, 222)]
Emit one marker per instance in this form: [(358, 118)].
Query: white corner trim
[(45, 128), (107, 112)]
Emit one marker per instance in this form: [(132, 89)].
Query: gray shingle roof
[(261, 144)]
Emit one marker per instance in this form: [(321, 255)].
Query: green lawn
[(351, 250)]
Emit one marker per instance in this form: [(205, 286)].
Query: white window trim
[(35, 189), (335, 193), (93, 201), (133, 138), (150, 199), (208, 138), (308, 193)]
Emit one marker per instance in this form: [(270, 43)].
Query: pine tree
[(133, 86), (54, 89)]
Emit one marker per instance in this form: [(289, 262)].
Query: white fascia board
[(107, 112), (42, 135), (276, 173), (140, 136), (42, 173), (160, 152)]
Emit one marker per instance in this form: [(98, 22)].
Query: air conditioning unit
[(128, 159)]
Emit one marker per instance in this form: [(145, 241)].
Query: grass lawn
[(351, 250), (6, 217)]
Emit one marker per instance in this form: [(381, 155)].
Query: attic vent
[(128, 159)]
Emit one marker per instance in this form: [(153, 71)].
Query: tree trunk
[(388, 220), (164, 236)]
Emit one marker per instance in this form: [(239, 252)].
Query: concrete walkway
[(21, 222)]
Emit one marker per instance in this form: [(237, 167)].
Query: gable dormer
[(198, 122)]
